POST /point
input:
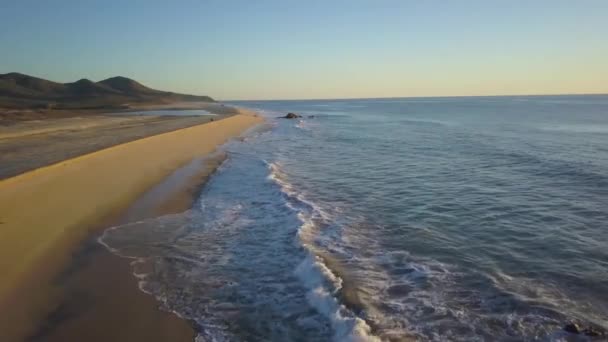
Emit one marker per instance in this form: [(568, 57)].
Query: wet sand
[(99, 298), (46, 212)]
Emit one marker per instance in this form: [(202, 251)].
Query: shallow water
[(461, 219)]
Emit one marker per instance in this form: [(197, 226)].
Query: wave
[(230, 255), (417, 121), (576, 128), (405, 293), (322, 283), (323, 287)]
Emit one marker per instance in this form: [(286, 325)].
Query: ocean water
[(429, 219)]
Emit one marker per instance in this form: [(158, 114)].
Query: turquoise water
[(431, 219)]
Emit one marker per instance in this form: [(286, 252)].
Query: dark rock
[(572, 328), (311, 116), (292, 116)]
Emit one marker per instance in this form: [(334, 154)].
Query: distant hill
[(24, 91), (127, 85)]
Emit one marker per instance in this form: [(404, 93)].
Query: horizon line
[(319, 98), (415, 97)]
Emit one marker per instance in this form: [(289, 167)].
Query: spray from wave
[(322, 284), (229, 264)]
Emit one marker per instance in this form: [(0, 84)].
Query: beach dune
[(44, 213)]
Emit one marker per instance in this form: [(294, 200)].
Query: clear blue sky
[(314, 49)]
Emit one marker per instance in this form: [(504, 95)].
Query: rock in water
[(572, 328), (292, 116)]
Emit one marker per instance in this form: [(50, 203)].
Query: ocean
[(405, 219)]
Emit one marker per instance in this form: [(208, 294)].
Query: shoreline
[(26, 145), (47, 212), (26, 148), (86, 276)]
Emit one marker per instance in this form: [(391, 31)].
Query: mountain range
[(24, 91)]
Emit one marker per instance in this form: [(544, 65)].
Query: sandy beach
[(11, 116), (30, 145), (57, 284)]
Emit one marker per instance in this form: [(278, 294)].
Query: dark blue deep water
[(431, 219)]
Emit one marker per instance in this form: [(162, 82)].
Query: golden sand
[(100, 294), (53, 206)]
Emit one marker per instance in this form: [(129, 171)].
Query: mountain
[(127, 85), (24, 91)]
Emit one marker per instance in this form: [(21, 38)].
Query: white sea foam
[(323, 285), (303, 125), (278, 177), (576, 128)]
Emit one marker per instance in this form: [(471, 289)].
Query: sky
[(314, 49)]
